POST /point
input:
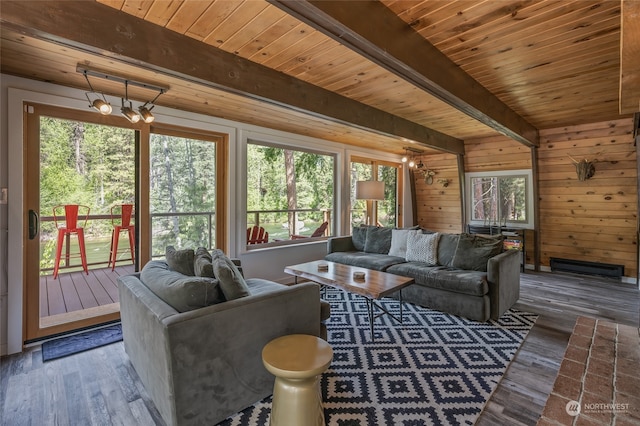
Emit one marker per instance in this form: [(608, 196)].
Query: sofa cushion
[(202, 265), (180, 260), (423, 248), (473, 283), (359, 237), (378, 240), (231, 280), (182, 292), (399, 241), (379, 262), (447, 248), (475, 250)]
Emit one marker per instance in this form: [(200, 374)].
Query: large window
[(386, 212), (290, 192), (500, 198), (183, 190)]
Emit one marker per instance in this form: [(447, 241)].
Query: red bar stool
[(121, 221), (70, 226)]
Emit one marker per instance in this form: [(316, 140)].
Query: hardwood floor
[(100, 386)]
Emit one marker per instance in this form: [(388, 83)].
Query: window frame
[(529, 202), (298, 146), (375, 166)]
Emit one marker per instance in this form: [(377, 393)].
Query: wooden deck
[(75, 291)]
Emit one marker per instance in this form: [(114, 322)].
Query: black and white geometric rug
[(434, 369)]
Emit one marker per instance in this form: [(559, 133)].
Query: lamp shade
[(369, 190)]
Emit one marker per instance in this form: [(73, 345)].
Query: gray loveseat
[(204, 364), (468, 275)]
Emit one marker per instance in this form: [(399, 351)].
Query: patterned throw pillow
[(422, 248), (399, 241)]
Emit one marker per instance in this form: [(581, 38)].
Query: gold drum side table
[(297, 361)]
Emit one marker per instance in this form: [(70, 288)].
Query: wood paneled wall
[(593, 220), (438, 207), (500, 153)]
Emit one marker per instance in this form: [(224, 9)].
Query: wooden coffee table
[(374, 286)]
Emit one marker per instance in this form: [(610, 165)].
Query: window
[(290, 192), (386, 212), (500, 198), (183, 190)]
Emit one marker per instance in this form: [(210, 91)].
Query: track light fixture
[(98, 104), (144, 111), (128, 111), (410, 158), (102, 106)]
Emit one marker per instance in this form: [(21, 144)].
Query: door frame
[(34, 328)]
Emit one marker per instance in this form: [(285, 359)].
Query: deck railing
[(180, 226)]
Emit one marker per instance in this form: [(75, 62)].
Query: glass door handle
[(33, 224)]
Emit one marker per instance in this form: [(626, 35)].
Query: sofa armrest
[(206, 363), (344, 243), (503, 276)]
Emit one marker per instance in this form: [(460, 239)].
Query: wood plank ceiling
[(540, 64)]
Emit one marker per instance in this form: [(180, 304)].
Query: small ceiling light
[(412, 163), (405, 158), (102, 106), (145, 113), (129, 113), (98, 104)]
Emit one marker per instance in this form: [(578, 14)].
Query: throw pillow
[(399, 241), (447, 248), (202, 265), (359, 236), (475, 250), (231, 280), (184, 293), (180, 260), (422, 248), (378, 240)]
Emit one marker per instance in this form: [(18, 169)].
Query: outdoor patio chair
[(257, 235), (121, 221), (67, 225), (319, 232)]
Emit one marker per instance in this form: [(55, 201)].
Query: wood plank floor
[(100, 387), (73, 291)]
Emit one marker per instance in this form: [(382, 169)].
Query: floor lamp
[(370, 190)]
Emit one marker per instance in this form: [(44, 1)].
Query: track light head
[(129, 113), (412, 163), (102, 106), (145, 114)]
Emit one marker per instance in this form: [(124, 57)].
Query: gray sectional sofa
[(197, 343), (468, 275)]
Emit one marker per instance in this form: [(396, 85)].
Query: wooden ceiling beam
[(374, 31), (630, 57), (99, 29)]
